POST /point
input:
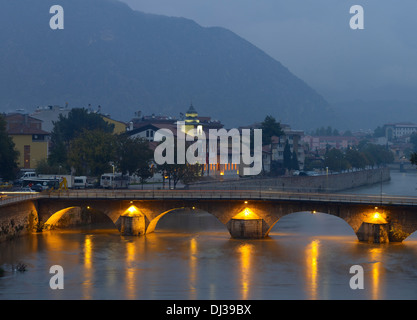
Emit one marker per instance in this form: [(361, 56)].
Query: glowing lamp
[(131, 211), (246, 214), (376, 218)]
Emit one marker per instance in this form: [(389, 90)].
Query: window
[(38, 137)]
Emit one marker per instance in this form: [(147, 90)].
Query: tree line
[(363, 156)]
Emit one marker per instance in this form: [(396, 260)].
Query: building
[(146, 127), (49, 115), (323, 142), (147, 130), (275, 151), (29, 138), (119, 126), (397, 130)]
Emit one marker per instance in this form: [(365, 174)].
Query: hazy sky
[(313, 39)]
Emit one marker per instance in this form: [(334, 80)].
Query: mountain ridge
[(126, 60)]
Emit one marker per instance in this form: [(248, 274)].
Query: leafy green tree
[(133, 154), (92, 152), (355, 159), (376, 155), (8, 154), (144, 173), (69, 128), (270, 127), (43, 167), (335, 160)]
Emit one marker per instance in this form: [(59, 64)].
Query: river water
[(191, 256)]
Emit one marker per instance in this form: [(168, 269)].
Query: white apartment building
[(397, 130)]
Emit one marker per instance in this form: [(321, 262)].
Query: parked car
[(37, 188)]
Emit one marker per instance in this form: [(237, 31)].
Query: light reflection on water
[(191, 256), (297, 261)]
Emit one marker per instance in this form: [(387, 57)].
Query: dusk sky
[(313, 40)]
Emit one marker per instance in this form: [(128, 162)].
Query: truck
[(82, 182), (44, 184), (69, 178), (114, 181)]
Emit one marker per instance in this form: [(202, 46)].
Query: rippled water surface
[(191, 256)]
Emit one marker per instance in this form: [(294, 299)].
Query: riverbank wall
[(17, 219), (322, 183)]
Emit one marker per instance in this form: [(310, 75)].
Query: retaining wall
[(323, 183)]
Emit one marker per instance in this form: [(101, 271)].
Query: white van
[(29, 175), (116, 181), (80, 182)]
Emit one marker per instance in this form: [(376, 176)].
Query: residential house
[(29, 138)]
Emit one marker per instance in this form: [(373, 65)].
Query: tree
[(335, 160), (8, 153), (413, 158), (187, 173), (355, 158), (287, 156), (379, 132), (294, 161), (144, 173), (376, 154), (92, 152), (270, 127), (413, 141), (133, 154), (326, 132), (69, 128), (43, 167)]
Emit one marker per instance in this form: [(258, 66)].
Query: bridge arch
[(76, 216), (154, 222), (315, 220)]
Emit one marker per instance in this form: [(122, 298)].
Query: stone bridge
[(245, 213)]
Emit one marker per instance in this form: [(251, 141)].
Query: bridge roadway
[(99, 194), (397, 213)]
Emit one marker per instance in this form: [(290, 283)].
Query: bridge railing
[(13, 197), (230, 194)]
